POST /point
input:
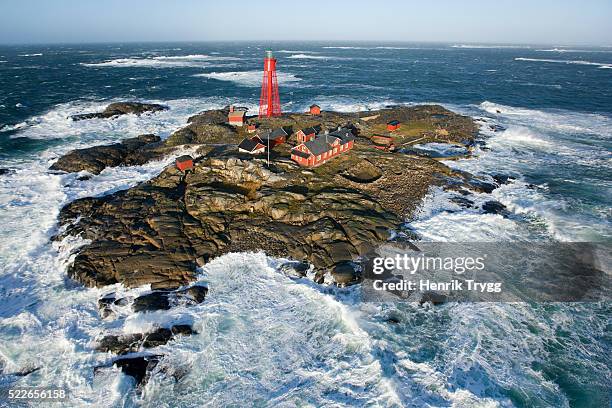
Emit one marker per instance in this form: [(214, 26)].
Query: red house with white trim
[(306, 135), (323, 148)]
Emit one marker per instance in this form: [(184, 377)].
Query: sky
[(562, 22)]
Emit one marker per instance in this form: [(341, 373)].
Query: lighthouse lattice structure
[(269, 102)]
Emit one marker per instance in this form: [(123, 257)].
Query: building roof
[(236, 114), (344, 134), (311, 130), (300, 153), (393, 122), (250, 144), (274, 134), (314, 105), (318, 145), (184, 158)]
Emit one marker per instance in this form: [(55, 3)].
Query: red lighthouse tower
[(269, 103)]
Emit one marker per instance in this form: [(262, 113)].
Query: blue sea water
[(262, 336)]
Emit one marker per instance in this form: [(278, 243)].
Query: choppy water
[(262, 336)]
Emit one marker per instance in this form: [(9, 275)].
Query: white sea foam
[(346, 48), (306, 56), (561, 50), (567, 62), (177, 61), (248, 78), (31, 55), (488, 46), (297, 52)]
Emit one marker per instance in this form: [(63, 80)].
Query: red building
[(323, 148), (315, 109), (306, 135), (251, 128), (274, 137), (184, 162), (236, 117), (393, 125), (253, 145)]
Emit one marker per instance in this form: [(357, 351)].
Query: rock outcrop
[(130, 152), (159, 231), (121, 108)]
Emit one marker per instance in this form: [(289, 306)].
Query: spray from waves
[(568, 62), (297, 52), (177, 61), (306, 56), (561, 50), (56, 123), (559, 120), (485, 46), (558, 147), (249, 78)]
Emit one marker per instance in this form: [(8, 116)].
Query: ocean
[(264, 339)]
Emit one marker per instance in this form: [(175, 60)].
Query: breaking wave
[(189, 61), (248, 78), (569, 62)]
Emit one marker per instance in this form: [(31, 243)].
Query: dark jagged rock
[(106, 303), (345, 274), (432, 297), (134, 151), (164, 300), (294, 270), (139, 367), (482, 186), (502, 178), (121, 108), (4, 171), (159, 231), (495, 207), (462, 201), (130, 343)]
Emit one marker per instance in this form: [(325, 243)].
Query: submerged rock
[(129, 343), (294, 270), (495, 207), (139, 367), (121, 108), (502, 178), (4, 171), (164, 300)]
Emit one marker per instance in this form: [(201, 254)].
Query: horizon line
[(360, 41)]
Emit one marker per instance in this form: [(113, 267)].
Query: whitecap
[(31, 55), (177, 61), (568, 62), (248, 78)]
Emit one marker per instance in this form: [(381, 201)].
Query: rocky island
[(327, 217)]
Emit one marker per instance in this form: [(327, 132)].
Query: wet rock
[(345, 274), (482, 186), (495, 207), (106, 303), (502, 178), (433, 298), (139, 367), (84, 178), (134, 151), (129, 343), (121, 108), (166, 299), (462, 201), (294, 270), (4, 171)]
